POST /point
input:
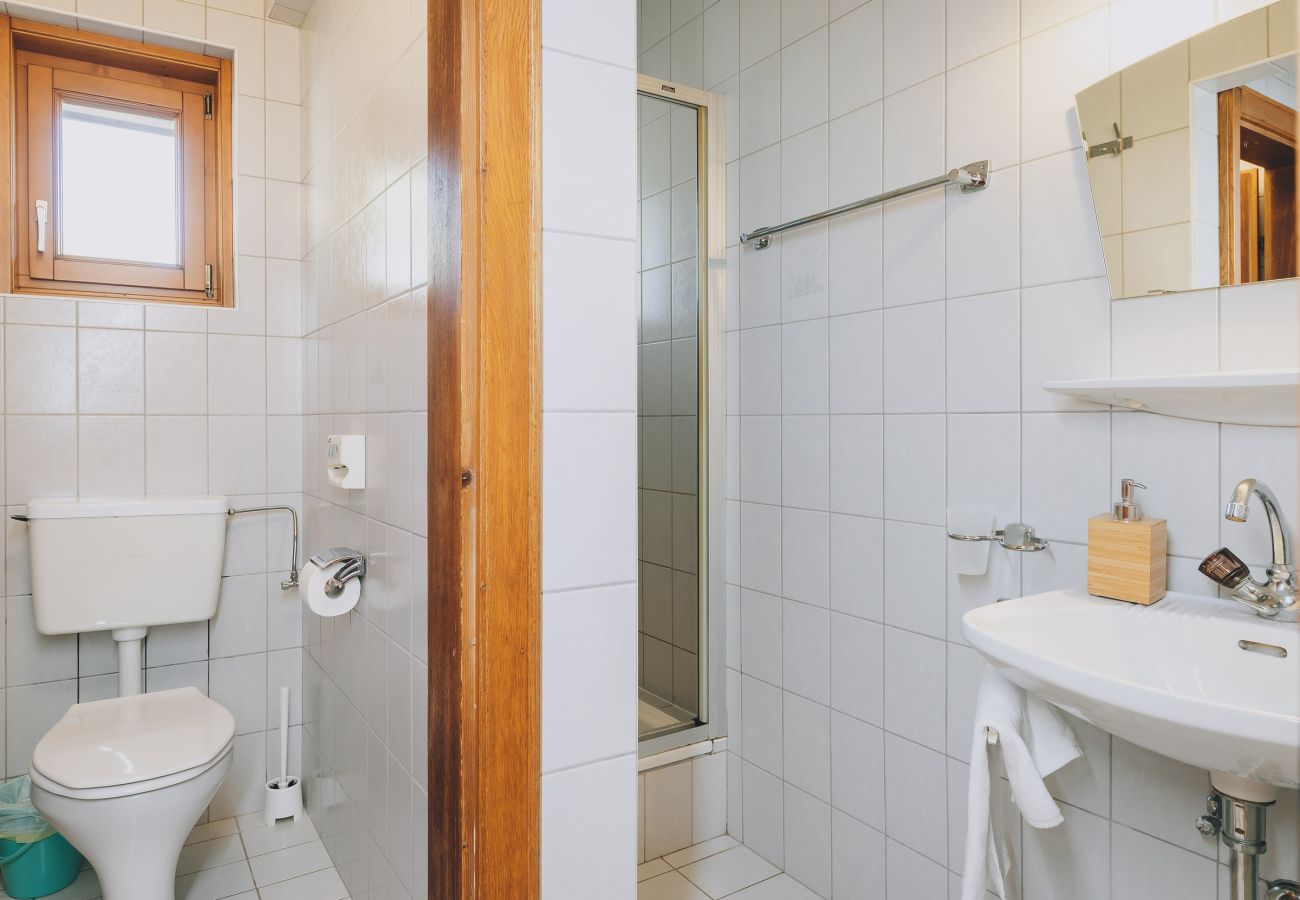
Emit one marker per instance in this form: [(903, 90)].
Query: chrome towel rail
[(971, 177)]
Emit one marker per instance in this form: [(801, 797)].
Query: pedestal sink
[(1200, 680)]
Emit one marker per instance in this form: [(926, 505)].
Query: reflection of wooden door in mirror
[(1257, 188)]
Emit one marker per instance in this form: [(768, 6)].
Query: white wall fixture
[(1264, 397), (345, 457), (1190, 678)]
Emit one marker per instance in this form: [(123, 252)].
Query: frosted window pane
[(118, 174)]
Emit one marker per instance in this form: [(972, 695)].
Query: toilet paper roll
[(312, 587)]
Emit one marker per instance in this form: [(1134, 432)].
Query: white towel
[(1035, 742)]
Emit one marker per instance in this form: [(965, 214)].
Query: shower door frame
[(711, 411)]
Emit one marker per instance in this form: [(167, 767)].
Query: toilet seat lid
[(128, 739)]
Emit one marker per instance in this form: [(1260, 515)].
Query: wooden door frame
[(1240, 108), (484, 459)]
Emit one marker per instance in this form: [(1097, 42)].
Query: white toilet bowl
[(124, 780)]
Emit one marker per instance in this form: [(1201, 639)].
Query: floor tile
[(210, 830), (215, 884), (652, 868), (782, 887), (699, 851), (210, 854), (322, 885), (670, 886), (283, 834), (84, 887), (289, 863), (729, 871)]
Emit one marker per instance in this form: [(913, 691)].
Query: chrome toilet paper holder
[(353, 566)]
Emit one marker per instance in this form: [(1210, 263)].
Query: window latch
[(42, 218), (207, 281), (207, 106)]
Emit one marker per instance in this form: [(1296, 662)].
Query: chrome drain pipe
[(1243, 827)]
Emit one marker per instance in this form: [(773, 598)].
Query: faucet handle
[(1225, 568)]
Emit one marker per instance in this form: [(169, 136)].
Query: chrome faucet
[(1275, 597)]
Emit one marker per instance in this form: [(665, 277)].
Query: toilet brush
[(283, 794)]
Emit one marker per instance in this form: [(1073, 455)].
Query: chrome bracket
[(1111, 148), (979, 172), (1017, 536), (1211, 823)]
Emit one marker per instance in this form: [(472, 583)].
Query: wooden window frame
[(40, 63)]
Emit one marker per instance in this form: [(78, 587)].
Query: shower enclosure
[(680, 416)]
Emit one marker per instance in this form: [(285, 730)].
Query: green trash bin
[(35, 860)]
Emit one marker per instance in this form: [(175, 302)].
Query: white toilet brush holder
[(284, 794)]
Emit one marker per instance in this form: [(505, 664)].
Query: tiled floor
[(242, 859), (715, 869)]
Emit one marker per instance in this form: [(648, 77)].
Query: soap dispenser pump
[(1127, 551)]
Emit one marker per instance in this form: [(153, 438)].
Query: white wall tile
[(857, 668), (804, 83), (589, 516), (606, 33), (1165, 335), (915, 445), (857, 58), (914, 687), (914, 121), (576, 639), (588, 181), (1066, 472), (589, 309), (913, 42), (914, 358), (916, 802), (110, 371), (983, 239), (983, 370), (807, 743), (1056, 65), (40, 369)]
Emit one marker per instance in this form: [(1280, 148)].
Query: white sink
[(1171, 677)]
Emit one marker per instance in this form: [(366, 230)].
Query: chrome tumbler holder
[(1017, 536)]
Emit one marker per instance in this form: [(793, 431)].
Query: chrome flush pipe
[(292, 581)]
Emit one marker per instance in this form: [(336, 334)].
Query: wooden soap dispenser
[(1127, 552)]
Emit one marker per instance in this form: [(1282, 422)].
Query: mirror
[(672, 593), (1191, 156)]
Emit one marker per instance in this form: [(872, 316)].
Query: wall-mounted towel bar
[(971, 177)]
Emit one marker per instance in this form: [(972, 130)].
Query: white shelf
[(1263, 397)]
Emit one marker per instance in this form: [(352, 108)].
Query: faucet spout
[(1238, 509), (1275, 597)]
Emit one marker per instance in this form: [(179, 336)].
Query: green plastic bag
[(20, 821)]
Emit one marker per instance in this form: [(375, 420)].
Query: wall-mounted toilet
[(125, 779)]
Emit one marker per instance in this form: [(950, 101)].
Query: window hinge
[(207, 282), (208, 105)]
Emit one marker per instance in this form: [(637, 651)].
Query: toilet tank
[(124, 562)]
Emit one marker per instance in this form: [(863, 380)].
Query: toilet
[(125, 779)]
